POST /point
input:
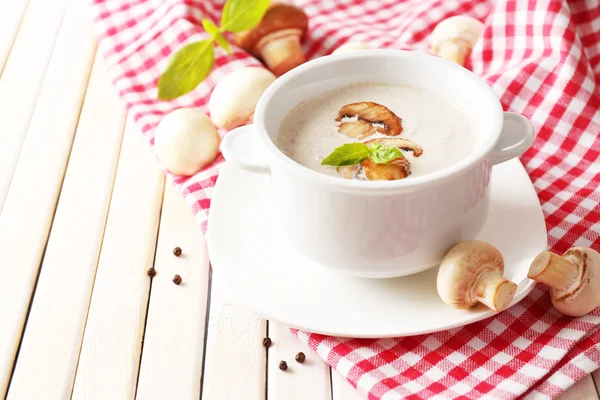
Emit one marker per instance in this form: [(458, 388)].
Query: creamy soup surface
[(309, 133)]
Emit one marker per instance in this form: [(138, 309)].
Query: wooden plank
[(11, 14), (171, 366), (308, 380), (110, 352), (342, 389), (50, 349), (235, 359), (583, 389), (29, 208), (22, 79)]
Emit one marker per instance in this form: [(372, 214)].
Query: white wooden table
[(84, 214)]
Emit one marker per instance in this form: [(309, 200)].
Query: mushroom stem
[(454, 50), (553, 270), (494, 290), (282, 50)]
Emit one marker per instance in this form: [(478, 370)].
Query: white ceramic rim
[(270, 316), (333, 181)]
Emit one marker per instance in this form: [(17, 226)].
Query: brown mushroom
[(401, 143), (371, 118), (574, 279), (276, 39), (394, 170), (356, 129)]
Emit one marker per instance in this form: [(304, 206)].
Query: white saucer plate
[(278, 284)]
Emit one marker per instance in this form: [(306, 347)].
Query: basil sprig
[(191, 64), (355, 153)]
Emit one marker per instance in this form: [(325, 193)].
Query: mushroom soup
[(389, 132)]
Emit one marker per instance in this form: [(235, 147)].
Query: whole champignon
[(352, 46), (454, 37), (472, 272), (574, 279), (276, 39), (186, 141), (234, 99)]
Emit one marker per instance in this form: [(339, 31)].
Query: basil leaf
[(216, 34), (348, 154), (188, 67), (383, 154), (209, 26), (240, 15)]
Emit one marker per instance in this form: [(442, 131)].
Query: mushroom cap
[(461, 27), (234, 99), (587, 296), (461, 268), (186, 141), (279, 16), (352, 46)]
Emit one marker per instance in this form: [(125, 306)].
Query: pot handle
[(516, 137), (242, 146)]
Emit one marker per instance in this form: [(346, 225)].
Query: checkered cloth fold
[(541, 57)]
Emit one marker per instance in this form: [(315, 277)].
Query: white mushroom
[(454, 37), (186, 141), (352, 46), (472, 272), (234, 99), (574, 279)]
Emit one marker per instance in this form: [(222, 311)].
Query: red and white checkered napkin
[(543, 60)]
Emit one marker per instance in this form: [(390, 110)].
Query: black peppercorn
[(151, 272), (300, 357), (177, 279), (177, 251), (267, 342), (282, 365)]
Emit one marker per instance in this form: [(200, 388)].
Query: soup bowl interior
[(454, 83)]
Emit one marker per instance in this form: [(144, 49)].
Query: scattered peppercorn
[(267, 342), (151, 272), (177, 251), (282, 365), (177, 279), (300, 357)]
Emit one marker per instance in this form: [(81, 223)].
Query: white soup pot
[(379, 229)]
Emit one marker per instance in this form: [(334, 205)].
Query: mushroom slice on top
[(356, 129), (401, 143), (394, 170), (372, 118)]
